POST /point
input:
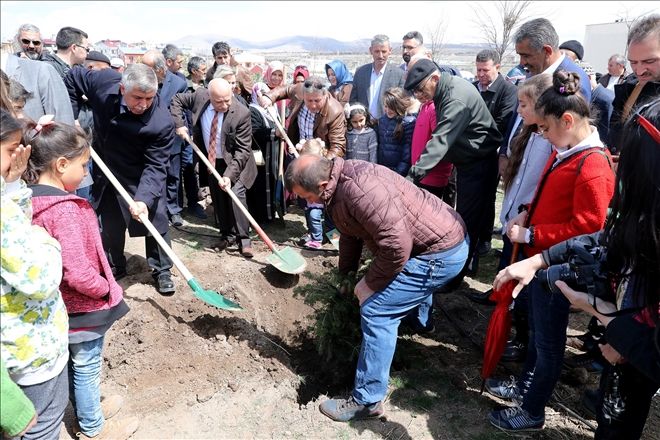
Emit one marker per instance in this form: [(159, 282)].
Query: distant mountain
[(296, 43), (299, 43)]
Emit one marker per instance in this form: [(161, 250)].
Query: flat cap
[(97, 56), (419, 72)]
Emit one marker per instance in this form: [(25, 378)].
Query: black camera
[(583, 271)]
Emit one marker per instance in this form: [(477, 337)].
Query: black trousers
[(489, 221), (173, 184), (113, 234), (230, 220), (472, 199)]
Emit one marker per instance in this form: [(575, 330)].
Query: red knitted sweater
[(571, 202)]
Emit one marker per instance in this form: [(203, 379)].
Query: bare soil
[(191, 371)]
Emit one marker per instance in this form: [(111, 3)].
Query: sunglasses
[(316, 85), (301, 67), (35, 43)]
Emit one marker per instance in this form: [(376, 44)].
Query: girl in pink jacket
[(93, 299)]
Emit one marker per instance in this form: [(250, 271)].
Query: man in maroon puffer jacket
[(418, 244)]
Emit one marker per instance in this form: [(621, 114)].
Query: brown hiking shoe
[(111, 405), (115, 429)]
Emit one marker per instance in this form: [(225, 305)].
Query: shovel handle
[(144, 218), (514, 253), (237, 202)]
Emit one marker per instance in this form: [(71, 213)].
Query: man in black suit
[(134, 135), (222, 129), (501, 98), (371, 80)]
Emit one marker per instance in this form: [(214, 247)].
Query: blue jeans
[(314, 217), (84, 384), (548, 318), (383, 311)]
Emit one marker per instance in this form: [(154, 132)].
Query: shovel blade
[(288, 261), (212, 297)]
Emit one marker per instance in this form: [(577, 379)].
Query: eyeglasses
[(308, 84), (87, 49), (646, 124), (35, 43)]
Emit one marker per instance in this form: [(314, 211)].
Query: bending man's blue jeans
[(383, 311), (84, 384)]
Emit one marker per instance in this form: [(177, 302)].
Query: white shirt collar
[(593, 140), (551, 69)]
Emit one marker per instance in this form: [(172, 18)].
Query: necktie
[(212, 139)]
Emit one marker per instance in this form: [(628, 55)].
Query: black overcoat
[(136, 148)]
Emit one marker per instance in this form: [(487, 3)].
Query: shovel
[(286, 259), (280, 202), (208, 296)]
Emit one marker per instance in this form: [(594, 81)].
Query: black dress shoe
[(221, 244), (247, 252), (482, 298), (483, 248), (165, 285), (176, 220), (514, 351)]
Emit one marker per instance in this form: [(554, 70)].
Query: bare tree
[(498, 27), (435, 38), (630, 16)]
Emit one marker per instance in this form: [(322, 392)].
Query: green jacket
[(465, 131), (16, 410)]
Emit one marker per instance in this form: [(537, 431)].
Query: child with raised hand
[(395, 130), (33, 319), (571, 199), (94, 300), (361, 138)]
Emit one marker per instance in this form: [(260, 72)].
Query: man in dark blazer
[(371, 80), (501, 98), (234, 160), (134, 134)]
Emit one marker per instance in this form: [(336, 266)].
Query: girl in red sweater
[(571, 199), (93, 299)]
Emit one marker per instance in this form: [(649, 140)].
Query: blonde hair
[(314, 146)]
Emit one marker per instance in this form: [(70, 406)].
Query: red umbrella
[(499, 325)]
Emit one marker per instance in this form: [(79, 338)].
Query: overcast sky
[(165, 21)]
